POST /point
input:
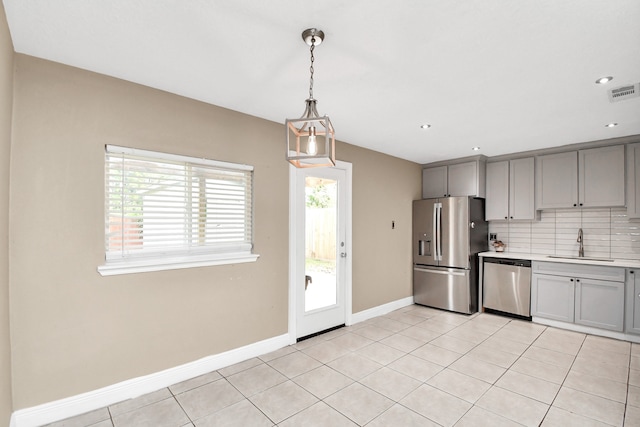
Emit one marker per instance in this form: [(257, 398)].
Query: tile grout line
[(565, 376), (396, 401), (173, 395), (473, 404), (494, 384), (626, 398)]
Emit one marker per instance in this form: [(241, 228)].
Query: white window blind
[(163, 209)]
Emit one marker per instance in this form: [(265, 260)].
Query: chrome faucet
[(580, 240)]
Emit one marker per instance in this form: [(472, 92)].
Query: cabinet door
[(552, 297), (434, 182), (600, 303), (557, 180), (497, 203), (522, 189), (633, 302), (463, 179), (633, 180), (601, 180)]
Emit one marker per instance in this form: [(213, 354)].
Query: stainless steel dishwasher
[(507, 286)]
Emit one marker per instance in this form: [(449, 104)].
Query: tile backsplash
[(608, 233)]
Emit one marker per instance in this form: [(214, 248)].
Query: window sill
[(112, 268)]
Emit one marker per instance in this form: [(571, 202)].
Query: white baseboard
[(129, 389), (96, 399), (587, 329), (381, 310)]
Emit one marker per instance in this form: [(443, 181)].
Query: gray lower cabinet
[(587, 295), (600, 304), (552, 297), (633, 302)]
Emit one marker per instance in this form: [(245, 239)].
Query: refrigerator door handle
[(445, 272), (437, 230)]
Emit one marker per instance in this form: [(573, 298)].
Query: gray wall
[(6, 101), (74, 331)]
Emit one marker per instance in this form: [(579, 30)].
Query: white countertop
[(624, 263)]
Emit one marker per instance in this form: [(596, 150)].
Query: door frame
[(295, 240)]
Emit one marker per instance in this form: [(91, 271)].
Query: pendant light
[(311, 139)]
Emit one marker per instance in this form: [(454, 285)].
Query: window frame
[(189, 256)]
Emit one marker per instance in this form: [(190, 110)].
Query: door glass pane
[(320, 243)]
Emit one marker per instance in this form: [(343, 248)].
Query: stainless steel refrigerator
[(448, 233)]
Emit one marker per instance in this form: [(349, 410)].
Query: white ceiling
[(504, 75)]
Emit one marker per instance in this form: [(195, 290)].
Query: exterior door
[(320, 260)]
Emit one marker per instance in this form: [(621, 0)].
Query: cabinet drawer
[(597, 272)]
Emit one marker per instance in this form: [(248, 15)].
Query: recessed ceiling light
[(476, 148), (611, 125), (425, 126), (603, 80)]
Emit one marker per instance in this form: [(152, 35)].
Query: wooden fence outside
[(320, 233)]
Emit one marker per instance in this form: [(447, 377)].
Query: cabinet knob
[(580, 204), (505, 217), (571, 280), (575, 204), (631, 272), (511, 217)]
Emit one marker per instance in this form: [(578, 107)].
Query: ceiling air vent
[(624, 92)]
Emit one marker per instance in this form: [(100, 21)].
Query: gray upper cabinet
[(633, 181), (460, 179), (586, 178), (557, 180), (601, 176), (510, 190), (434, 182), (497, 205)]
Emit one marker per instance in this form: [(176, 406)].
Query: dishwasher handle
[(509, 261)]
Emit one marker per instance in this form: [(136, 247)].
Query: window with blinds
[(172, 211)]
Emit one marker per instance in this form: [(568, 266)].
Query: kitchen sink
[(581, 258)]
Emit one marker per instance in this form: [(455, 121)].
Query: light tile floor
[(413, 367)]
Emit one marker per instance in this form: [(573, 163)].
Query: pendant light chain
[(313, 46), (311, 140)]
